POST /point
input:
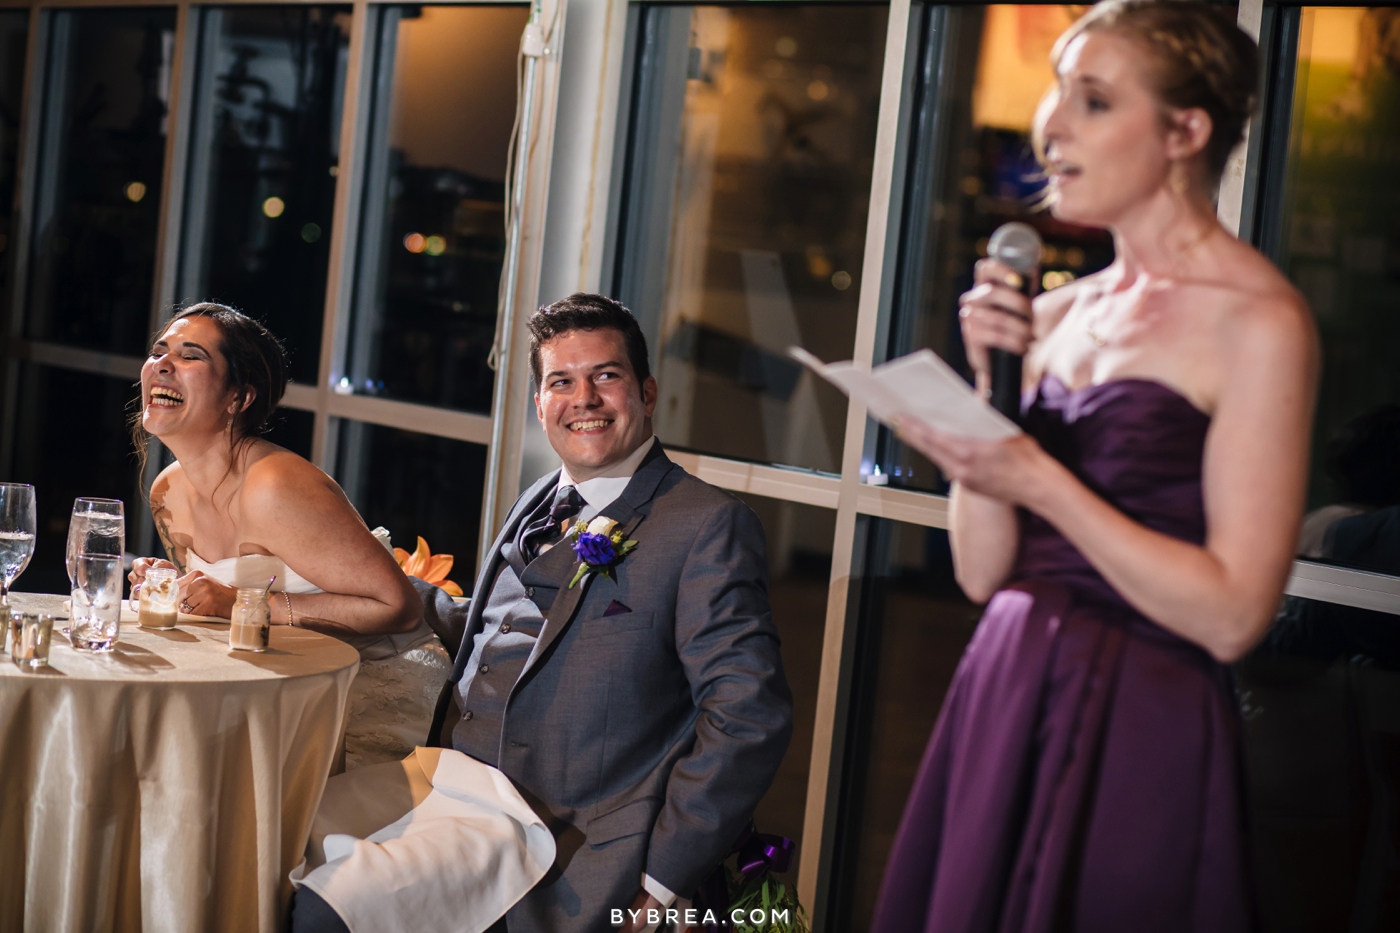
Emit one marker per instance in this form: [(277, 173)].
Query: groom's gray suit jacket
[(644, 737)]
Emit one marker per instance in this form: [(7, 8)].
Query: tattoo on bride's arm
[(162, 518)]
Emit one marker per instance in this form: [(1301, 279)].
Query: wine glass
[(17, 525)]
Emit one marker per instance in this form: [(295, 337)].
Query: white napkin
[(456, 862)]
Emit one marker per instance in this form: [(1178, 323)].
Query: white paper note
[(919, 386)]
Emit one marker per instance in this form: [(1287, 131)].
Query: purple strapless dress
[(1085, 771)]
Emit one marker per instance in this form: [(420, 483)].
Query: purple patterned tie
[(567, 503)]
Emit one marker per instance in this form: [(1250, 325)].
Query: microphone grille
[(1017, 245)]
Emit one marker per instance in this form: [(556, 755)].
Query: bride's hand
[(140, 567), (205, 596), (1005, 469)]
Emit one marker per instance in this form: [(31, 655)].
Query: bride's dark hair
[(257, 368), (1196, 56)]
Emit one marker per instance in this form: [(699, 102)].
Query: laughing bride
[(234, 509)]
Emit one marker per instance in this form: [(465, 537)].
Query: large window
[(744, 224), (1322, 695), (915, 623), (263, 164), (433, 228), (100, 174)]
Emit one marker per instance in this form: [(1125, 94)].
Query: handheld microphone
[(1016, 245)]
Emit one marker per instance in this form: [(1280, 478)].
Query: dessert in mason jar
[(159, 596), (249, 626)]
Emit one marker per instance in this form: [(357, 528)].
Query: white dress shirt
[(603, 489)]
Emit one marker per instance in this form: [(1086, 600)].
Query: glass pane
[(743, 229), (1340, 246), (71, 439), (292, 428), (799, 578), (914, 624), (14, 36), (264, 154), (1321, 702), (102, 158), (982, 72), (433, 234), (416, 485), (1321, 696)]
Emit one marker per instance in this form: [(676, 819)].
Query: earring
[(1176, 179)]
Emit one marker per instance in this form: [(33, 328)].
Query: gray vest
[(511, 622)]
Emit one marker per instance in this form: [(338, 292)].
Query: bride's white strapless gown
[(400, 677)]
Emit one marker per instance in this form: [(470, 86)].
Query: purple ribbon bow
[(759, 852)]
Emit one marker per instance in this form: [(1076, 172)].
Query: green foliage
[(767, 893)]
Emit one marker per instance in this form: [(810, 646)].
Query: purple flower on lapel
[(594, 549), (599, 547)]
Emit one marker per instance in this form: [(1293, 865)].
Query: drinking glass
[(30, 635), (97, 601), (96, 527), (17, 523)]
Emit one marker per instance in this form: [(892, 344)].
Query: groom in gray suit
[(642, 710)]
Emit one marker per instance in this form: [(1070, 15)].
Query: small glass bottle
[(249, 624)]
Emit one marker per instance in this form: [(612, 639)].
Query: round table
[(169, 784)]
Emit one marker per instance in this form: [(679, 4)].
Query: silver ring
[(186, 608)]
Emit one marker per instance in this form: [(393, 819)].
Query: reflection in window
[(416, 485), (1321, 703), (433, 229), (799, 577), (1339, 244), (743, 228), (1320, 694), (914, 624), (982, 73), (14, 34), (102, 155), (263, 162), (71, 439)]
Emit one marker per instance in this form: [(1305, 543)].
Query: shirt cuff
[(658, 890)]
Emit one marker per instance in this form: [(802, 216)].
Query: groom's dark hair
[(588, 312)]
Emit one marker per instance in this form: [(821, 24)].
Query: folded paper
[(919, 386)]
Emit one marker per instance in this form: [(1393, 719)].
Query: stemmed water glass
[(17, 525)]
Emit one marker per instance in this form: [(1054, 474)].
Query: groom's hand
[(641, 904)]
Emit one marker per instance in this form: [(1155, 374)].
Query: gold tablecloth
[(169, 785)]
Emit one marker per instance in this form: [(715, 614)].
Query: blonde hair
[(1197, 57)]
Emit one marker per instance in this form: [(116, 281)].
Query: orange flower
[(428, 567)]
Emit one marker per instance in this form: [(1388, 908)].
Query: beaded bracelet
[(288, 597)]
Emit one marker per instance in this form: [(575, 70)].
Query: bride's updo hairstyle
[(1194, 55), (257, 367)]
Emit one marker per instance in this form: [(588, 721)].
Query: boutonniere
[(599, 547)]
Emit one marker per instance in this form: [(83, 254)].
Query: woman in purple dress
[(1085, 772)]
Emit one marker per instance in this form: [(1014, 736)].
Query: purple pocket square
[(615, 608)]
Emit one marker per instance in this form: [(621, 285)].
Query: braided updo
[(1196, 56)]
